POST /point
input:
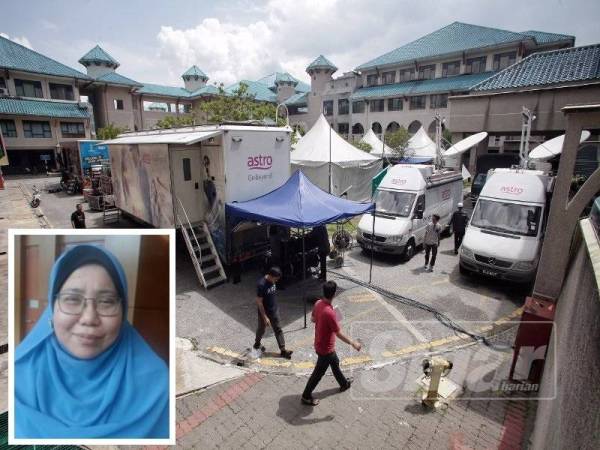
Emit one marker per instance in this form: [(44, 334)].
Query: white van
[(407, 197), (504, 236)]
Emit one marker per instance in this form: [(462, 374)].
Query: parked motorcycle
[(35, 197)]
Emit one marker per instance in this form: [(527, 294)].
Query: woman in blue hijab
[(84, 371)]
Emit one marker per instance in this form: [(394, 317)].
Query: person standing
[(78, 217), (268, 314), (322, 238), (459, 224), (327, 329), (431, 241)]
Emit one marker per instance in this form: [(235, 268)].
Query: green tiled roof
[(158, 89), (195, 71), (458, 83), (206, 90), (546, 68), (22, 107), (269, 81), (258, 90), (115, 78), (299, 99), (14, 56), (541, 37), (97, 54), (285, 78), (456, 37), (321, 63)]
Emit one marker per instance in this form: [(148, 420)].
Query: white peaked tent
[(350, 167), (421, 145), (378, 148)]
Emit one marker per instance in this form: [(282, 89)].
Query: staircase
[(202, 250)]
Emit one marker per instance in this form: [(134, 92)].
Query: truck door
[(419, 220), (186, 164)]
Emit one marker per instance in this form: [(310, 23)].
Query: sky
[(232, 40)]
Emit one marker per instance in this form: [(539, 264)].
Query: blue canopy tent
[(297, 203)]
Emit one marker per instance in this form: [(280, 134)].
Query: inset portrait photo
[(91, 337)]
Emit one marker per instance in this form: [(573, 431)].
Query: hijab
[(121, 393)]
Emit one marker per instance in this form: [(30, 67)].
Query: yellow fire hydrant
[(435, 369)]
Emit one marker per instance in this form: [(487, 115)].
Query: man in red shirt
[(326, 330)]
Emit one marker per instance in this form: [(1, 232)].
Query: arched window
[(376, 127), (392, 126), (431, 130), (357, 128), (414, 126)]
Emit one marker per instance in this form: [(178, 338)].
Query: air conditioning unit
[(4, 92)]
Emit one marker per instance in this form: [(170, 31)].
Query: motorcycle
[(35, 197)]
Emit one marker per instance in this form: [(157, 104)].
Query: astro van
[(405, 200), (504, 236)]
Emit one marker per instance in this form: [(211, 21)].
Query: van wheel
[(409, 250)]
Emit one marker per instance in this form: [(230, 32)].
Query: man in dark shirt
[(322, 238), (268, 314), (326, 330), (459, 225), (78, 217)]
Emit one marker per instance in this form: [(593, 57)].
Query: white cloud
[(48, 25), (19, 40)]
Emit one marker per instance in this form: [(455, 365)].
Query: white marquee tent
[(421, 145), (350, 167), (378, 148)]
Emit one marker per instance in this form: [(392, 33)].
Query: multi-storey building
[(409, 85)]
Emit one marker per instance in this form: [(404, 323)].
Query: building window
[(376, 105), (438, 101), (372, 80), (427, 72), (451, 68), (187, 108), (37, 129), (376, 127), (61, 91), (72, 129), (476, 65), (388, 77), (395, 104), (417, 102), (503, 60), (187, 169), (343, 128), (358, 107), (343, 106), (357, 128), (118, 103), (407, 74), (328, 107), (8, 128), (28, 88)]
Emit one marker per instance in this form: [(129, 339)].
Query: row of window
[(38, 129), (393, 104), (30, 88), (472, 65)]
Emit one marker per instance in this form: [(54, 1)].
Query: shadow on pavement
[(295, 413)]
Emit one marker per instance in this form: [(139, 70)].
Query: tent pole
[(330, 158), (304, 277), (372, 240)]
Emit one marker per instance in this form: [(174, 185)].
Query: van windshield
[(394, 203), (480, 179), (510, 218)]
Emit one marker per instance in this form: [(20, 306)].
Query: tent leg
[(304, 277), (372, 239)]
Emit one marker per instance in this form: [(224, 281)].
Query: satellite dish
[(553, 147), (465, 144)]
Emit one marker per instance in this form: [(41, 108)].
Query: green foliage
[(110, 131), (238, 106), (447, 136), (398, 141), (177, 121), (363, 146)]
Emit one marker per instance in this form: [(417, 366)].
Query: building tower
[(97, 62), (194, 79), (320, 71), (286, 86)]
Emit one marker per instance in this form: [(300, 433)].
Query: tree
[(447, 136), (177, 121), (240, 105), (110, 131), (365, 147), (398, 141)]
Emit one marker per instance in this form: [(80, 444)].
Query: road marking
[(356, 360)]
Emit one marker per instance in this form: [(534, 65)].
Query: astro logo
[(398, 181), (260, 162), (515, 190)]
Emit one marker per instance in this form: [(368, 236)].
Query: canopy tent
[(351, 168), (297, 203), (378, 148), (421, 145)]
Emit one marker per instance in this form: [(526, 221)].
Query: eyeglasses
[(74, 304)]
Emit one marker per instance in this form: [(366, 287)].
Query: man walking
[(431, 241), (78, 217), (326, 330), (459, 224), (268, 312)]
